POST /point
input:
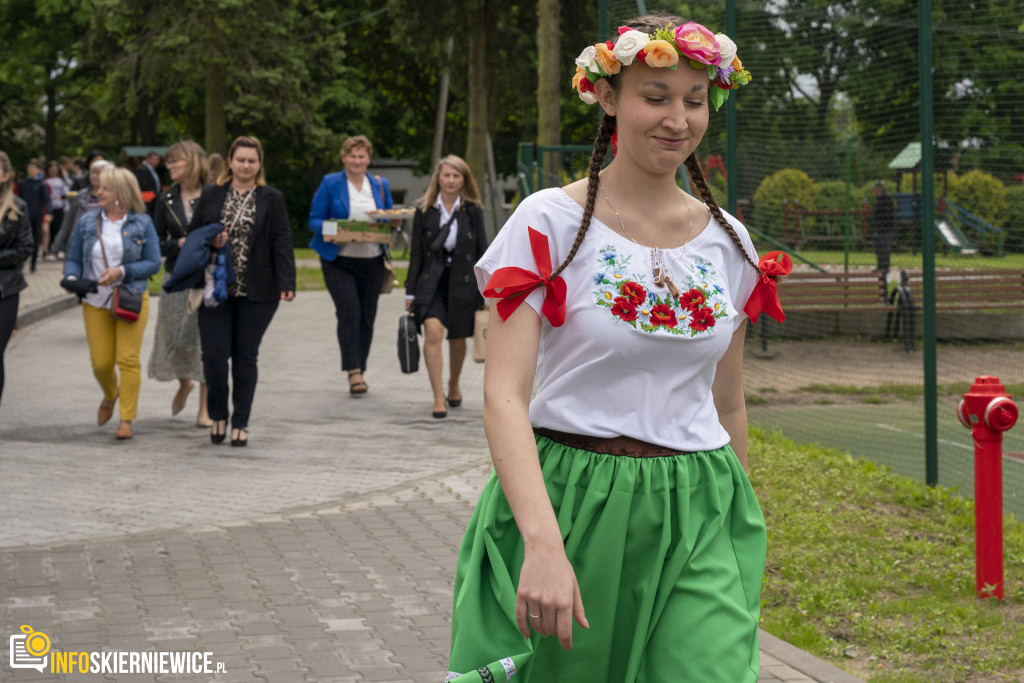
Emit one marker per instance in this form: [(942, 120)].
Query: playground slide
[(952, 236)]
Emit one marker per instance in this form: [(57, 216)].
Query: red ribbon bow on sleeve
[(765, 297), (513, 284)]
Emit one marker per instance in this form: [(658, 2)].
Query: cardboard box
[(343, 231)]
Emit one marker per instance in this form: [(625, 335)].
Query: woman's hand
[(110, 276), (181, 242), (287, 296), (549, 598), (408, 304), (220, 240)]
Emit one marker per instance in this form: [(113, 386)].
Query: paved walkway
[(324, 551)]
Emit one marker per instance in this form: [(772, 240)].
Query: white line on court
[(921, 436)]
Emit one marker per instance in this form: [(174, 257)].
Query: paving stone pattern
[(325, 551)]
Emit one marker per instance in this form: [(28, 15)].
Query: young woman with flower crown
[(620, 501)]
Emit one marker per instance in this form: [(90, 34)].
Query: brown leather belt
[(618, 445)]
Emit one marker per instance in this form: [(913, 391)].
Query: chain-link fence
[(829, 163)]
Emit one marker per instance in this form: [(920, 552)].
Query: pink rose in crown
[(698, 43)]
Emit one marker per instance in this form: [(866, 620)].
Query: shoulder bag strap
[(439, 241), (99, 235)]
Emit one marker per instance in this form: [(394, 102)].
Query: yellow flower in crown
[(660, 53), (606, 60)]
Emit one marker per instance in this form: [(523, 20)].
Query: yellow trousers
[(114, 342)]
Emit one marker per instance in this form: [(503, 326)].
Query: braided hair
[(647, 24), (604, 138), (698, 180)]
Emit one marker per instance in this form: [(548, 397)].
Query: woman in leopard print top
[(257, 228)]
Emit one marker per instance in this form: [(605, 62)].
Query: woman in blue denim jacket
[(127, 256)]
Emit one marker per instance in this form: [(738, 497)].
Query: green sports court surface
[(893, 434)]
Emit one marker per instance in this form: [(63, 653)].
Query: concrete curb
[(795, 658), (43, 310)]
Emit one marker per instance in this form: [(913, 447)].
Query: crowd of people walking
[(223, 237)]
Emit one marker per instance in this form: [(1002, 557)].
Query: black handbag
[(408, 344)]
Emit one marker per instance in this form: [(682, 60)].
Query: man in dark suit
[(149, 180)]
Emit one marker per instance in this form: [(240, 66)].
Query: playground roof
[(142, 150), (908, 158)]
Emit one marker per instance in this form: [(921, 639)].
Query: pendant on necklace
[(662, 272)]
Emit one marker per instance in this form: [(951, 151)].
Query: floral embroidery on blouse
[(649, 308)]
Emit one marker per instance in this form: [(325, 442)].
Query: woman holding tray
[(354, 272), (448, 238)]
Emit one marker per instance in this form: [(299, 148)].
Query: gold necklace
[(659, 265), (626, 233)]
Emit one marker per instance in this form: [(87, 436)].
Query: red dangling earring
[(615, 141)]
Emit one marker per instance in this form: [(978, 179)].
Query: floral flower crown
[(663, 48)]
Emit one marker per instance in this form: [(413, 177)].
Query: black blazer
[(148, 184), (16, 247), (169, 219), (426, 267), (271, 267)]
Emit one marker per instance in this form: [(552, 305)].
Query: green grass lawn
[(874, 571), (306, 278), (908, 261)]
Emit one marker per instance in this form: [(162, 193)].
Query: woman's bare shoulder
[(577, 191)]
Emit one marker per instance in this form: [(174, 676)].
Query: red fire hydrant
[(988, 412)]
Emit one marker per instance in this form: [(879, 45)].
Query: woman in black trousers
[(448, 238), (256, 226), (354, 273), (16, 246)]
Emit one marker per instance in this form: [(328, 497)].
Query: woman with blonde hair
[(15, 248), (177, 354), (116, 246), (217, 167), (448, 238)]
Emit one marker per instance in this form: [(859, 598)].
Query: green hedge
[(980, 193)]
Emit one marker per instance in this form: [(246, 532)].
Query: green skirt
[(668, 552)]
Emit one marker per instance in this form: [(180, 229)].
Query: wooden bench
[(971, 290), (826, 292), (835, 293)]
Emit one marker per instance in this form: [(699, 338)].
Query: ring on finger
[(534, 616)]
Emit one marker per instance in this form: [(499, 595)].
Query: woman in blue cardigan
[(127, 255), (354, 272)]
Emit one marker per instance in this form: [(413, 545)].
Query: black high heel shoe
[(217, 436), (239, 441), (438, 414), (454, 402)]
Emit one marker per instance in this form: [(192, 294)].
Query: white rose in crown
[(727, 48), (588, 59), (628, 45), (588, 97)]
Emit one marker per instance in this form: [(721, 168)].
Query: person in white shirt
[(354, 273), (619, 499), (116, 246), (448, 238), (58, 187)]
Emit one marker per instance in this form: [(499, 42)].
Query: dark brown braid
[(697, 178), (604, 138)]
